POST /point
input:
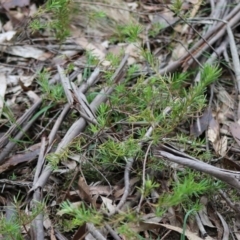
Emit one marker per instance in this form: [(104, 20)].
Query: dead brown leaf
[(120, 192), (222, 146), (80, 233), (213, 130), (179, 51), (19, 158), (100, 190), (188, 234), (219, 143), (108, 204), (201, 124), (84, 190), (231, 164)]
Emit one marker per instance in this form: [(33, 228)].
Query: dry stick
[(60, 236), (143, 176), (229, 177), (66, 85), (127, 171), (16, 183), (213, 57), (126, 183), (53, 118), (83, 106), (236, 63), (37, 224), (8, 148), (213, 38), (37, 229), (95, 232), (166, 234), (19, 123), (217, 52), (40, 162), (225, 227), (235, 57), (87, 118), (200, 226), (57, 124), (232, 205), (218, 9), (219, 25), (91, 80), (173, 66), (5, 139), (176, 152), (112, 232), (79, 125)]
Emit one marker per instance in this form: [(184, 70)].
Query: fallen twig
[(19, 123), (95, 232), (230, 177), (22, 131)]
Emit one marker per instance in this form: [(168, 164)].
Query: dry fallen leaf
[(142, 226), (226, 231), (221, 147), (19, 158), (201, 124), (188, 234), (213, 130), (7, 36), (120, 192), (219, 144), (179, 51), (108, 204), (95, 51), (84, 191), (80, 233), (224, 97), (27, 52), (100, 190)]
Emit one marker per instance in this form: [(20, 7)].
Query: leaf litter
[(52, 153)]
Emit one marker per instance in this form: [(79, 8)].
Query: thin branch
[(229, 177), (143, 176), (112, 232), (200, 226), (95, 232), (126, 183)]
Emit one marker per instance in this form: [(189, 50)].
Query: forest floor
[(119, 119)]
